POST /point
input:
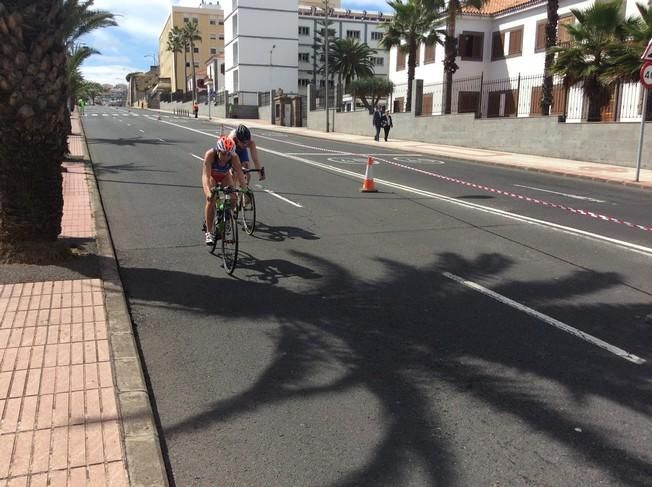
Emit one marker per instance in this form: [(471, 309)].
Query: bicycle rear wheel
[(248, 212), (229, 242)]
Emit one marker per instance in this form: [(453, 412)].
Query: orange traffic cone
[(368, 185)]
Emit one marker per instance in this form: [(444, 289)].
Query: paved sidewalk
[(74, 409), (587, 170)]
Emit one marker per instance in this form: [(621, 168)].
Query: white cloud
[(108, 73), (369, 5)]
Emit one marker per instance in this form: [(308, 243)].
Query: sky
[(132, 45)]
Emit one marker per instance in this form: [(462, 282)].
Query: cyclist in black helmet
[(242, 138)]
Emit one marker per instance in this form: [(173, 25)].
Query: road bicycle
[(247, 204), (225, 227)]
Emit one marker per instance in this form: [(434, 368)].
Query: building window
[(429, 56), (378, 61), (235, 25), (563, 37), (417, 56), (515, 41), (353, 34), (195, 20), (212, 21), (304, 31), (221, 22), (213, 50), (471, 45), (235, 53), (540, 42), (376, 36), (400, 60), (186, 19), (187, 64), (221, 37), (195, 50), (304, 57), (304, 82), (497, 45), (213, 37), (187, 48)]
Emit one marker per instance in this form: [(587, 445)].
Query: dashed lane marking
[(568, 195), (547, 319)]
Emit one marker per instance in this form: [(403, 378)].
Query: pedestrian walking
[(195, 109), (376, 123), (386, 122), (81, 105)]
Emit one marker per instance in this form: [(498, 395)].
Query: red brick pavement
[(60, 423)]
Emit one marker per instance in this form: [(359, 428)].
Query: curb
[(618, 182), (145, 464)]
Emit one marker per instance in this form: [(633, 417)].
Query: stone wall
[(614, 143)]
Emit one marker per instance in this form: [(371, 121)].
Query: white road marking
[(574, 196), (269, 191), (94, 114), (141, 130), (547, 319), (161, 140), (116, 114), (197, 157), (128, 125), (639, 249)]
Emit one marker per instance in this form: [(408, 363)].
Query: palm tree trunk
[(185, 71), (450, 48), (412, 63), (194, 77), (33, 97), (551, 41)]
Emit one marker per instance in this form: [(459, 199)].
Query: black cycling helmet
[(242, 133)]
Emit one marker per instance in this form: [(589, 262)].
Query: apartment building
[(210, 18), (503, 41), (360, 25), (261, 47)]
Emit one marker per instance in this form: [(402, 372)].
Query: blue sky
[(131, 46)]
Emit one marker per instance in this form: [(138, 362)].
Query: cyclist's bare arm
[(254, 157), (206, 174), (237, 167)]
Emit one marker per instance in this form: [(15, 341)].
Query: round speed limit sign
[(646, 75)]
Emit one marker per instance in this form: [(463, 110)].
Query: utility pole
[(326, 12)]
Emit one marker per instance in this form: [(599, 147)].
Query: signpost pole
[(642, 133)]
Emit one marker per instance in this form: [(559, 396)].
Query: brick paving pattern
[(75, 146), (77, 220), (75, 126), (59, 420)]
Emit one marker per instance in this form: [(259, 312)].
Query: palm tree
[(80, 19), (77, 54), (625, 57), (350, 59), (454, 8), (551, 41), (191, 34), (589, 57), (176, 44), (33, 95), (413, 23)]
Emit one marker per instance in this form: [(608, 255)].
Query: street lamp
[(271, 69), (153, 56)]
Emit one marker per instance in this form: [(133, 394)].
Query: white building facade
[(501, 63), (260, 45), (363, 26)]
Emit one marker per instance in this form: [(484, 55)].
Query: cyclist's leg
[(209, 209)]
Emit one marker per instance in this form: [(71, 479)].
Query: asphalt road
[(433, 333)]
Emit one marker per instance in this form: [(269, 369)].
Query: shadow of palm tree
[(405, 336)]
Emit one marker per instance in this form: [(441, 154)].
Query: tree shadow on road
[(412, 334)]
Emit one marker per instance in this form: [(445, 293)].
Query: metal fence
[(521, 97), (264, 99), (244, 98)]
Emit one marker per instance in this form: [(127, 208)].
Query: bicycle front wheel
[(229, 242), (248, 212)]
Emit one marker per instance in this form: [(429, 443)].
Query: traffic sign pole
[(640, 140)]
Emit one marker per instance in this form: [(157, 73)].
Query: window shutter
[(516, 42), (497, 42), (563, 36), (540, 43), (461, 45), (478, 42)]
